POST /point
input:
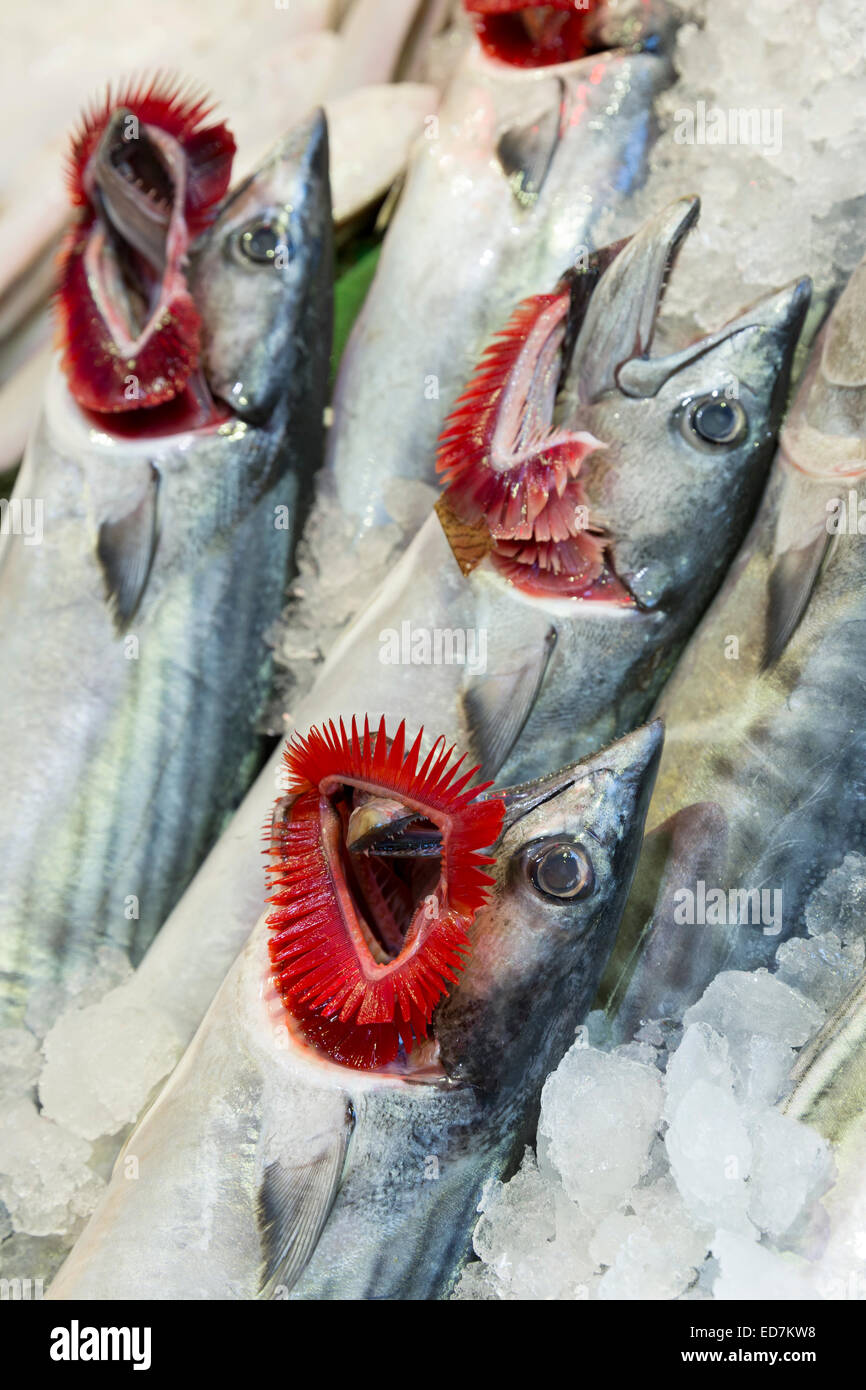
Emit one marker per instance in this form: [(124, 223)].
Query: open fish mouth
[(147, 176), (512, 469), (532, 35), (369, 930), (509, 469)]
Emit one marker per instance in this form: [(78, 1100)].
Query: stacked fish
[(542, 489)]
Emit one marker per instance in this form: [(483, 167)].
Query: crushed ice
[(665, 1167)]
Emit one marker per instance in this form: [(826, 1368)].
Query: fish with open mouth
[(167, 474), (533, 669), (378, 1051), (761, 790), (504, 190), (595, 492)]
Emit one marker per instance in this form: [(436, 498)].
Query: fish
[(164, 487), (827, 1093), (505, 188), (760, 788), (309, 1166), (246, 55), (526, 680)]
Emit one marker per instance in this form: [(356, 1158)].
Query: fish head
[(180, 307), (591, 469), (441, 932), (685, 438), (563, 867), (261, 275)]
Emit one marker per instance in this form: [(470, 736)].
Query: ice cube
[(701, 1056), (710, 1155), (599, 1116), (85, 1084), (527, 1251), (838, 904), (791, 1168), (743, 1003), (660, 1257), (45, 1180), (820, 966), (750, 1271)]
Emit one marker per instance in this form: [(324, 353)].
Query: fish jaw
[(261, 277), (535, 958)]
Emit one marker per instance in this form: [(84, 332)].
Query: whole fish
[(523, 677), (306, 1164), (153, 541), (501, 195), (760, 790)]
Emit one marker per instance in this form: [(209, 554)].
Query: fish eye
[(262, 241), (714, 421), (560, 870)]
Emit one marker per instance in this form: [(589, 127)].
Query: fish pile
[(429, 613)]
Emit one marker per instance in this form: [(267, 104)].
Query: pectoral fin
[(792, 580), (294, 1200), (497, 706), (125, 549)]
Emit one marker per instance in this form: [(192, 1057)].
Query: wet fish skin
[(391, 1167), (775, 745), (554, 679), (134, 665)]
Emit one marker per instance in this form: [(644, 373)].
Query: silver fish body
[(524, 680), (761, 788), (267, 1169), (134, 664)]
